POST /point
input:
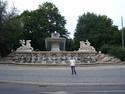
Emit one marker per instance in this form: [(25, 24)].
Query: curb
[(62, 65)]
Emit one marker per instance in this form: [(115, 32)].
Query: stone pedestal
[(47, 57)]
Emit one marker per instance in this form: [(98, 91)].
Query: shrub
[(118, 52), (105, 49)]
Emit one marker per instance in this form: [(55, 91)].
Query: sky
[(72, 9)]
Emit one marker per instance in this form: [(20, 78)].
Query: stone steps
[(103, 58), (100, 59)]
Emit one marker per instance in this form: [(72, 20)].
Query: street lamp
[(122, 32)]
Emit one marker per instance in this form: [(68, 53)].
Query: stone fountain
[(55, 42)]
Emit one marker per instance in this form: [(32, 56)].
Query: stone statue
[(25, 46), (86, 47), (87, 43), (28, 43), (22, 42), (82, 44), (55, 35)]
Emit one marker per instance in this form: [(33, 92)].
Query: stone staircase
[(100, 59), (104, 58)]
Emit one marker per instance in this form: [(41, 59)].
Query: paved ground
[(62, 75), (11, 88), (58, 80)]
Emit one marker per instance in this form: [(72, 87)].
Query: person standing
[(72, 65)]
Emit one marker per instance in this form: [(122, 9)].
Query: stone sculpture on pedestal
[(86, 47), (25, 46)]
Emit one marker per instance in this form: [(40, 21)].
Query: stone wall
[(49, 57)]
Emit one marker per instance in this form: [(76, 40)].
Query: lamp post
[(122, 32)]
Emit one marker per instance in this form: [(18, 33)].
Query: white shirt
[(72, 62)]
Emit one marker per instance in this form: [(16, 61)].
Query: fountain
[(55, 43), (56, 53)]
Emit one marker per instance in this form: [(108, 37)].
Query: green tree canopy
[(10, 29), (99, 30), (40, 23)]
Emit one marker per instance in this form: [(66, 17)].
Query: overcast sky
[(72, 9)]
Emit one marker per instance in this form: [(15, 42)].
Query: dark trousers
[(73, 70)]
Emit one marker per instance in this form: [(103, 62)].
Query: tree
[(10, 29), (69, 44), (2, 13), (40, 23), (99, 30)]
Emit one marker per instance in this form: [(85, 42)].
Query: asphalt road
[(12, 88), (58, 80)]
